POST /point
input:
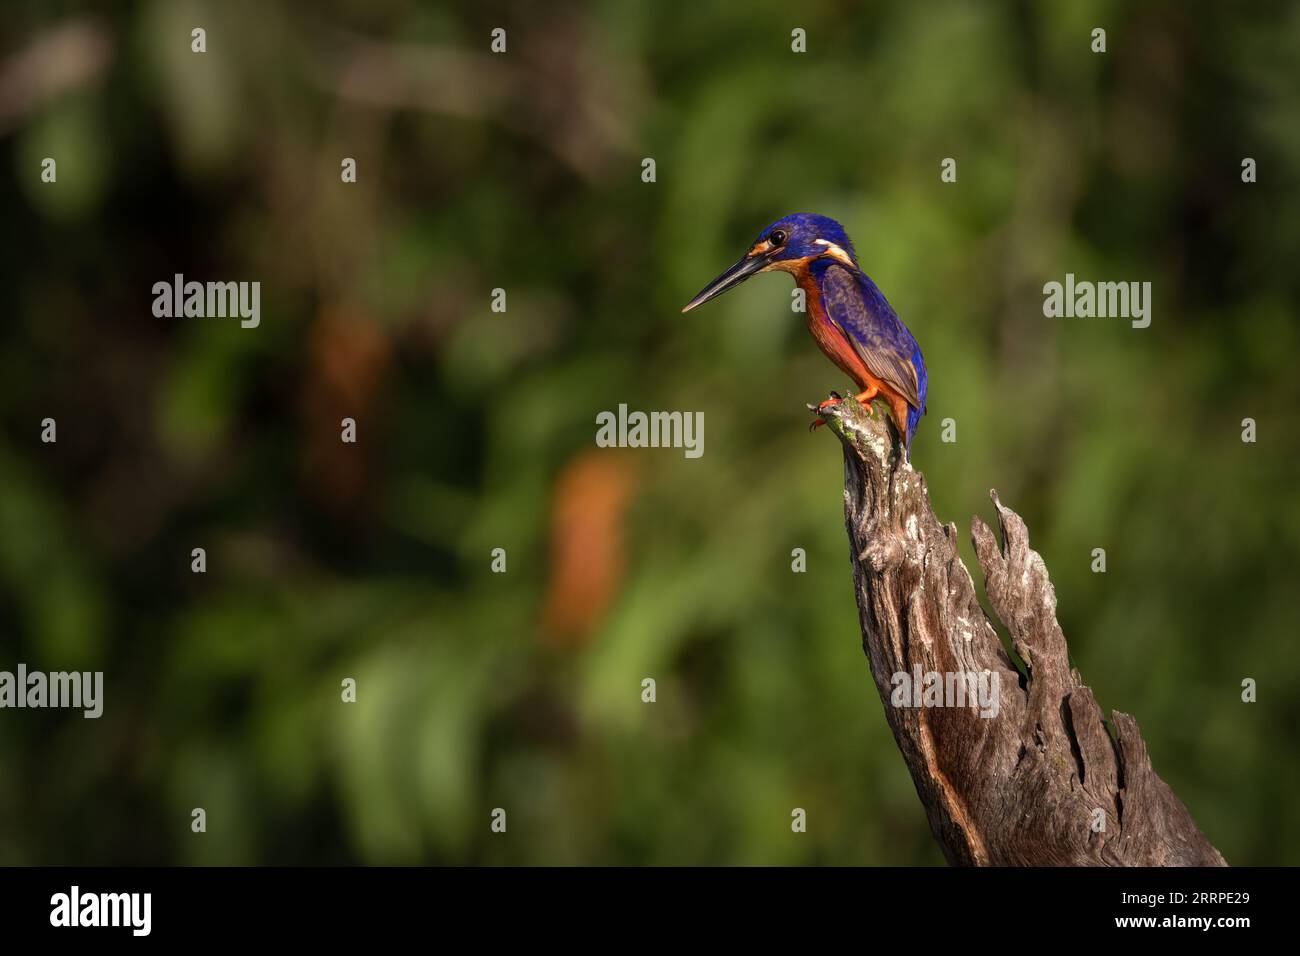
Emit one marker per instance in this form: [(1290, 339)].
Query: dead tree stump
[(1044, 782)]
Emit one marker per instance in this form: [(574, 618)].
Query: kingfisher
[(848, 316)]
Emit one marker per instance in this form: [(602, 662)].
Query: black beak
[(733, 277)]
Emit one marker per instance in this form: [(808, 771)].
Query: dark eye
[(776, 237)]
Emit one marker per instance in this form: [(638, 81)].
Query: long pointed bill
[(733, 277)]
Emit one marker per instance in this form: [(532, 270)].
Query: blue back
[(888, 347)]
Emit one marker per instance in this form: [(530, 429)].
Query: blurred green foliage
[(522, 171)]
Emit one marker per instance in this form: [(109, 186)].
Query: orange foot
[(864, 397)]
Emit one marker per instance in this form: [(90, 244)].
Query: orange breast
[(833, 343), (837, 347)]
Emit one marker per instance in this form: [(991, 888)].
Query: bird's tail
[(922, 386), (913, 419)]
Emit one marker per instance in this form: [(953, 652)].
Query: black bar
[(235, 905)]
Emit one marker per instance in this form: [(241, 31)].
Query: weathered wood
[(1044, 781)]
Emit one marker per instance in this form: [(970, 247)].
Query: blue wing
[(878, 335)]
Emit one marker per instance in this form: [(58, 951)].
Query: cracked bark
[(1032, 785)]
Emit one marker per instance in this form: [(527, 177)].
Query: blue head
[(788, 244)]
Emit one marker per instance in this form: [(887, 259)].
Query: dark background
[(476, 429)]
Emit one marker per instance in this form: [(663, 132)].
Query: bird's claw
[(835, 399)]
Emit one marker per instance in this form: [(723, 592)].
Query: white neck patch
[(836, 252)]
